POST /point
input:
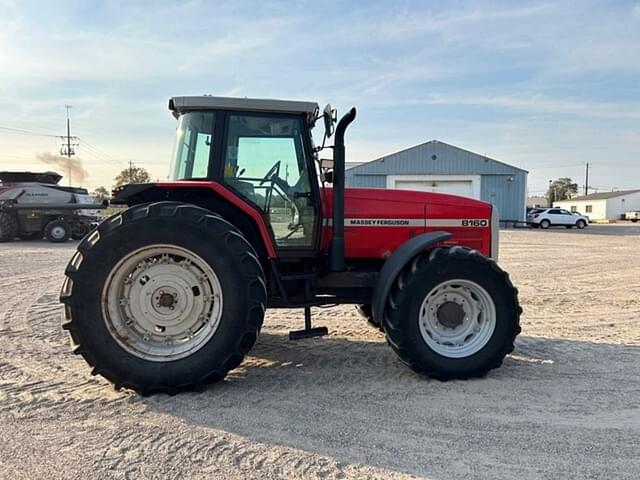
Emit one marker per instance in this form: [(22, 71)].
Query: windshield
[(194, 137)]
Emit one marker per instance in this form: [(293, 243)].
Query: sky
[(545, 86)]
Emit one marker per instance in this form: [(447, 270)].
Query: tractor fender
[(206, 194), (394, 265)]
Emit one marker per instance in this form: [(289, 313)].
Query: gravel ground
[(565, 404)]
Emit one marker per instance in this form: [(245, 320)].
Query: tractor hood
[(411, 196), (377, 221)]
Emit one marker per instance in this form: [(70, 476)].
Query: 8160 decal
[(475, 222)]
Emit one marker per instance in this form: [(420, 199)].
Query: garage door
[(455, 187)]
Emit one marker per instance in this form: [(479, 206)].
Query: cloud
[(534, 103)]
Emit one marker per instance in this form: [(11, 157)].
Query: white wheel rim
[(58, 232), (162, 303), (457, 318)]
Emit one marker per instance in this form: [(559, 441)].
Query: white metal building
[(603, 206), (439, 167)]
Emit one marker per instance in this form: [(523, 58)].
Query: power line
[(22, 131), (95, 153), (98, 151)]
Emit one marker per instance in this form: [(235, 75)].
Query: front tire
[(164, 297), (581, 224), (453, 313)]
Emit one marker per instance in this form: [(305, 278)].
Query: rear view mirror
[(326, 169), (326, 163), (327, 115)]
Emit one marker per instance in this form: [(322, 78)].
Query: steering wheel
[(273, 172)]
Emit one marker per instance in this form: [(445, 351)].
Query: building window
[(588, 209), (574, 208)]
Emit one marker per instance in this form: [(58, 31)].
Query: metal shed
[(436, 166)]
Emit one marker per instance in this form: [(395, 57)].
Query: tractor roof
[(180, 105)]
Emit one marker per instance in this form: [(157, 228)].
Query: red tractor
[(170, 294)]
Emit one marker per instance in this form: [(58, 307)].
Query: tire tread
[(253, 274), (398, 296)]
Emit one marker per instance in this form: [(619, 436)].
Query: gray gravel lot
[(566, 403)]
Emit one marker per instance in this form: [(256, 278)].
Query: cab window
[(192, 148), (265, 162)]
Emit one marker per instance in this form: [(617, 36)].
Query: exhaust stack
[(336, 250)]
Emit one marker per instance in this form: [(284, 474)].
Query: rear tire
[(223, 333), (545, 224), (57, 231), (8, 227), (453, 313)]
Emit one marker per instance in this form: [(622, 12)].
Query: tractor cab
[(260, 149)]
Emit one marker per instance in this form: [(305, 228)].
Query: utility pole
[(586, 181), (130, 171), (67, 147)]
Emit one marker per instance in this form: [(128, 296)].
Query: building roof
[(180, 105), (602, 195), (421, 157)]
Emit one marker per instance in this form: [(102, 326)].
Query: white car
[(556, 217), (633, 216)]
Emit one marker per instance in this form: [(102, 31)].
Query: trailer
[(33, 205)]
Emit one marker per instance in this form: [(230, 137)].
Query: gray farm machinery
[(33, 205)]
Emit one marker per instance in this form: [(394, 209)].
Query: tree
[(132, 175), (561, 189), (101, 193)]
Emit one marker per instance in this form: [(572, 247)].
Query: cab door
[(266, 162)]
